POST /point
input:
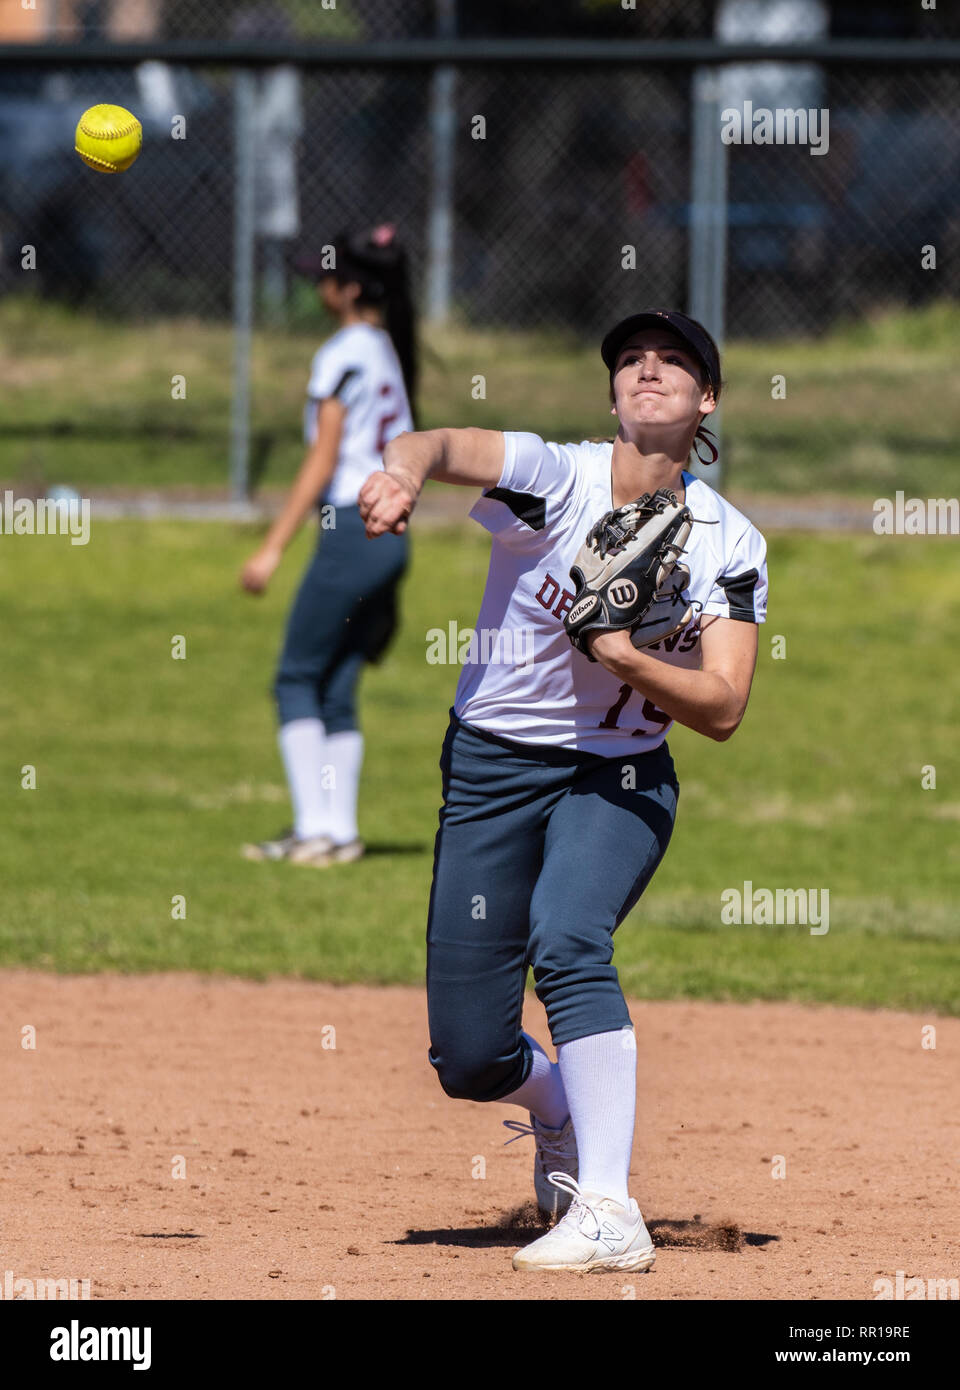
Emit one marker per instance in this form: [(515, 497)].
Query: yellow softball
[(108, 138)]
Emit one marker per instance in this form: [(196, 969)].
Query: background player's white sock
[(600, 1078), (344, 757), (302, 746), (542, 1093)]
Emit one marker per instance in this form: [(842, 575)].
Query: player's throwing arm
[(471, 457)]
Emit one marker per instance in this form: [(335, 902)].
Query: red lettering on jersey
[(385, 421), (547, 595), (549, 590), (564, 606)]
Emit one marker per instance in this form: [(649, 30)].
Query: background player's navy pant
[(345, 613), (540, 855)]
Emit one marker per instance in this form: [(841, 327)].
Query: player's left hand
[(606, 646)]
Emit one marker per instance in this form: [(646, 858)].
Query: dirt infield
[(319, 1163)]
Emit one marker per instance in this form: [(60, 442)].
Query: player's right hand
[(385, 504), (258, 571)]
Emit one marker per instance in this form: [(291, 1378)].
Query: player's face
[(658, 381), (327, 290), (337, 298)]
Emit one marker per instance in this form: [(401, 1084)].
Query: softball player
[(559, 792), (358, 398)]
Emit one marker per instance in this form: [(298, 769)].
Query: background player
[(359, 397), (559, 789)]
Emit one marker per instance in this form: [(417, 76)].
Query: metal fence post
[(707, 264), (443, 139), (244, 97)]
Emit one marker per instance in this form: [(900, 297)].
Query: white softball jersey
[(522, 678), (359, 366)]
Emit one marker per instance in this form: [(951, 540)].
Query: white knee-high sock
[(600, 1078), (542, 1093), (344, 758), (302, 746)]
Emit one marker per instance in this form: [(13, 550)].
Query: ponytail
[(401, 324), (376, 261)]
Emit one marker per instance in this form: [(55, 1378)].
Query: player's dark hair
[(704, 435), (376, 261)]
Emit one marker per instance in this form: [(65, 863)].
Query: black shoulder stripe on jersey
[(344, 380), (739, 591), (526, 506)]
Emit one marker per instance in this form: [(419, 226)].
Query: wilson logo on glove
[(580, 610), (622, 594), (623, 573)]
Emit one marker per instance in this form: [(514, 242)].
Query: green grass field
[(151, 772), (87, 402)]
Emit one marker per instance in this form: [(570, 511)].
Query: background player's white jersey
[(359, 366), (527, 681)]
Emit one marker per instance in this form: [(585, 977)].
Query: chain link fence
[(561, 194), (570, 192), (398, 19)]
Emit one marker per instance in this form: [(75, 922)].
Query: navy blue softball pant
[(344, 615), (540, 855)]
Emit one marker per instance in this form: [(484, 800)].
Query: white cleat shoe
[(556, 1152), (289, 847), (597, 1236), (322, 852), (272, 850)]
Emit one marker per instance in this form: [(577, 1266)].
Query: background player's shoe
[(556, 1152), (596, 1236), (322, 852), (284, 846)]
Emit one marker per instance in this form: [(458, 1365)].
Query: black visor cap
[(693, 334)]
